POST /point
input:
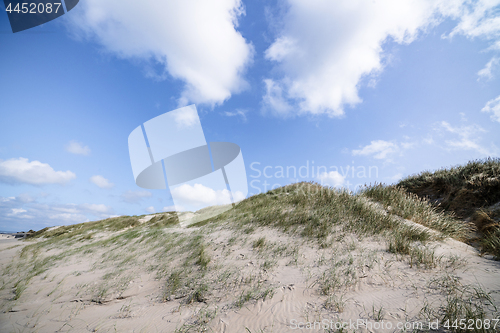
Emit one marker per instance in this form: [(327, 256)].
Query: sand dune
[(63, 298), (277, 263)]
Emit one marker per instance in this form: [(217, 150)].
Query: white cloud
[(22, 213), (379, 149), (20, 170), (187, 118), (493, 106), (193, 40), (151, 210), (325, 49), (95, 209), (487, 71), (428, 140), (408, 145), (16, 211), (101, 182), (238, 112), (15, 208), (173, 208), (69, 209), (332, 178), (441, 138), (273, 101), (468, 138), (68, 217), (201, 195), (78, 148), (281, 48), (396, 177), (25, 198), (238, 196), (478, 19), (135, 196)]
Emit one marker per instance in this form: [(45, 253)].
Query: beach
[(108, 289)]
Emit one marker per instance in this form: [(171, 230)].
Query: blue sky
[(393, 87)]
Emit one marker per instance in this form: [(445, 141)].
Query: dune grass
[(469, 304), (461, 189), (316, 212), (87, 229), (188, 262), (307, 210), (321, 213), (410, 206), (466, 191)]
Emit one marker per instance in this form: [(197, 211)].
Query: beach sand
[(372, 284)]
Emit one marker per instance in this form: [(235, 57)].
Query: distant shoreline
[(21, 234)]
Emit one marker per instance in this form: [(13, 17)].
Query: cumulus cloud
[(18, 210), (332, 178), (21, 170), (77, 148), (324, 49), (493, 106), (135, 196), (186, 118), (38, 215), (281, 48), (151, 210), (101, 182), (198, 194), (18, 213), (379, 149), (195, 41)]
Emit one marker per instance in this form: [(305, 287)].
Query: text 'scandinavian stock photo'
[(250, 166)]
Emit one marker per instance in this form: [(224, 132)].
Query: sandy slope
[(377, 286)]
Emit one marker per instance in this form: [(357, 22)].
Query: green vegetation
[(461, 189), (409, 206), (466, 303), (87, 229), (229, 259), (467, 191), (312, 211), (259, 243), (317, 212)]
